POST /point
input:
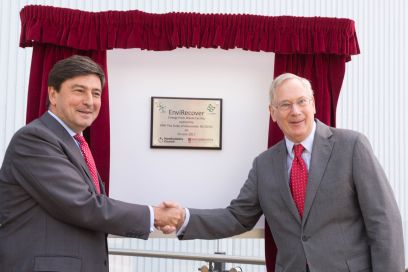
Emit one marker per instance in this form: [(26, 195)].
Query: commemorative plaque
[(178, 122)]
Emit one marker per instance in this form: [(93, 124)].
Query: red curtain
[(137, 29), (314, 47), (43, 58), (326, 73)]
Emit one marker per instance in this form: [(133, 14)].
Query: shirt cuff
[(152, 228), (186, 220)]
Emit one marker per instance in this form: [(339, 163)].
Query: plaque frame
[(158, 114)]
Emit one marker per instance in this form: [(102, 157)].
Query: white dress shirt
[(307, 153)]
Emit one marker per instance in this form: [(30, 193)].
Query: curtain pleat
[(136, 29)]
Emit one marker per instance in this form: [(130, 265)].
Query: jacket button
[(305, 238)]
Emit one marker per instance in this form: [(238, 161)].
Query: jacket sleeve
[(379, 208), (41, 166)]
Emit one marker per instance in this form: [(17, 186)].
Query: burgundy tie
[(298, 178), (86, 152)]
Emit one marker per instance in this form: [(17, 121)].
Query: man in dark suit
[(54, 213), (323, 193)]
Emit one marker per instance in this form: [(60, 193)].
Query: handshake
[(168, 217)]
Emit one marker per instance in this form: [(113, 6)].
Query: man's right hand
[(168, 216)]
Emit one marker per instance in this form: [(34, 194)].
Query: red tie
[(86, 152), (298, 179)]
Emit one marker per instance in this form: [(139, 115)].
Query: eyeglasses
[(286, 106)]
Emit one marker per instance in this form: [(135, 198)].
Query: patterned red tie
[(298, 178), (86, 152)]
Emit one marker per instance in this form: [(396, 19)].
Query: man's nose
[(87, 98), (295, 109)]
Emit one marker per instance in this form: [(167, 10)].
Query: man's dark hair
[(72, 67)]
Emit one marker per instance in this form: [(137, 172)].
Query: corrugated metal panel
[(372, 101), (14, 72), (236, 247)]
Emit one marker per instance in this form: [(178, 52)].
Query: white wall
[(373, 96), (196, 178)]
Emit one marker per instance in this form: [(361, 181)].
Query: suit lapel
[(101, 185), (322, 148), (280, 170), (72, 148)]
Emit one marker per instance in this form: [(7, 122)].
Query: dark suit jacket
[(51, 219), (351, 221)]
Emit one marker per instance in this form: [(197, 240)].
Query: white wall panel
[(373, 98), (239, 77)]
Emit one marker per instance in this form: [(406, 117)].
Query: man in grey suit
[(54, 213), (348, 219)]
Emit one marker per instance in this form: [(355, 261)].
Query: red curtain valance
[(136, 29)]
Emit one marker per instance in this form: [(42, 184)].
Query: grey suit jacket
[(351, 221), (51, 219)]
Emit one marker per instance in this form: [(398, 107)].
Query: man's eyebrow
[(83, 87), (78, 85), (290, 101), (300, 97)]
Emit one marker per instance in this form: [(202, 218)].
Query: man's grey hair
[(287, 76)]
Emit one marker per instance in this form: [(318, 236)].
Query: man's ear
[(52, 93), (314, 106), (272, 111)]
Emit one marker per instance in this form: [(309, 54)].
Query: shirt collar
[(307, 143), (70, 131)]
